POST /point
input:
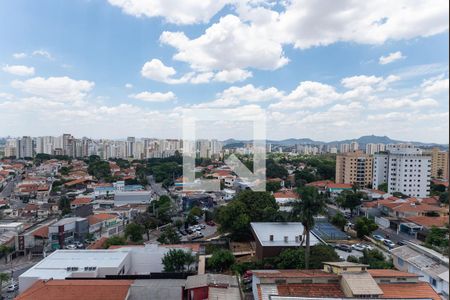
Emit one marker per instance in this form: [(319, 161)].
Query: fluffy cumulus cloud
[(19, 70), (42, 53), (391, 57), (173, 11), (156, 70), (227, 45), (56, 88), (254, 34), (154, 96)]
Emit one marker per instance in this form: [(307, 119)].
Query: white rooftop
[(55, 265), (280, 230)]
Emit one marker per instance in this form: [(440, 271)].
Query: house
[(135, 197), (67, 230), (431, 266), (273, 237), (212, 286), (16, 227), (339, 280), (337, 188), (104, 224), (80, 202), (55, 289), (284, 197)]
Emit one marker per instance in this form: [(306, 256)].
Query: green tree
[(274, 170), (291, 259), (134, 232), (321, 253), (64, 205), (3, 278), (161, 209), (147, 221), (365, 226), (339, 220), (99, 169), (246, 207), (169, 236), (5, 251), (375, 259), (196, 211), (350, 199), (443, 198), (178, 260), (221, 260), (383, 187), (273, 186), (114, 240), (438, 238), (311, 205)]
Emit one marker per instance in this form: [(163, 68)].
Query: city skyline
[(133, 68)]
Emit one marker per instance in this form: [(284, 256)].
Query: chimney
[(271, 237)]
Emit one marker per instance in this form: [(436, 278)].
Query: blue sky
[(129, 67)]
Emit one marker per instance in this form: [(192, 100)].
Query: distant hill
[(362, 141)]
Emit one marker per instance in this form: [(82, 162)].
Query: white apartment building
[(405, 169), (372, 148), (354, 146), (344, 148)]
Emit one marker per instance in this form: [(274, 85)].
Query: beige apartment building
[(354, 167), (439, 163)]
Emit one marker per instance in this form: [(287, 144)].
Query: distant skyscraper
[(405, 169)]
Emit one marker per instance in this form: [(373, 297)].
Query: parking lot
[(202, 232)]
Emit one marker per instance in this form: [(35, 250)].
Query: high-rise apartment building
[(439, 163), (344, 148), (354, 146), (354, 167), (405, 169), (372, 148), (24, 147), (11, 148)]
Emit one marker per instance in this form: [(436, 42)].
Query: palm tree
[(311, 205), (3, 277)]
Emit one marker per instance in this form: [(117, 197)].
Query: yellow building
[(439, 163), (354, 167)]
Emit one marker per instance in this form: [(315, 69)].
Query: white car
[(12, 287), (359, 247), (71, 247)]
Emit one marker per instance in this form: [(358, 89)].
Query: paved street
[(156, 187)]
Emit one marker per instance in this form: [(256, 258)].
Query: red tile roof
[(81, 201), (390, 273), (77, 289), (286, 194), (408, 290), (339, 186), (407, 207), (293, 274), (320, 184), (429, 222), (98, 244), (41, 232), (94, 219), (332, 290)]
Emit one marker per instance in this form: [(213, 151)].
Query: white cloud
[(231, 76), (56, 88), (19, 55), (391, 57), (308, 23), (436, 85), (42, 53), (154, 97), (227, 45), (19, 70), (128, 85), (308, 94), (156, 70), (250, 93), (173, 11)]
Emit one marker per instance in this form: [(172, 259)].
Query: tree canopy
[(246, 207), (178, 260), (365, 226), (221, 260)]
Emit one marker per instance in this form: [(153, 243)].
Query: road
[(156, 187), (9, 188), (16, 273)]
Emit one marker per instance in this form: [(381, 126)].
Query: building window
[(400, 261), (433, 281)]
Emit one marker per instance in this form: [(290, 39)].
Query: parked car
[(368, 247), (71, 247), (79, 245), (389, 243), (344, 247), (378, 237), (401, 243), (211, 223), (183, 232), (359, 247), (202, 226), (12, 287)]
